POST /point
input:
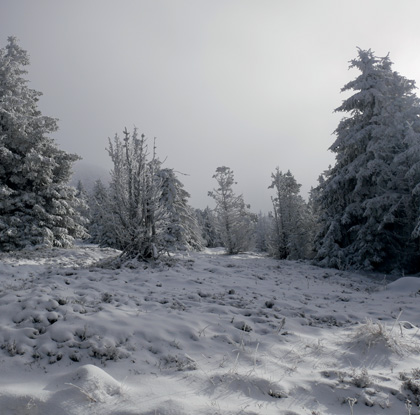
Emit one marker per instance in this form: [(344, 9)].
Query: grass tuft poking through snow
[(395, 338)]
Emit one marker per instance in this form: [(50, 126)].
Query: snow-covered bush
[(145, 210), (138, 219)]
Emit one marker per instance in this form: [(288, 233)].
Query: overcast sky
[(247, 84)]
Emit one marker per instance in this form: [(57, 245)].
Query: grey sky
[(247, 84)]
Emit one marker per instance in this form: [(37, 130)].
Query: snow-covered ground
[(203, 334)]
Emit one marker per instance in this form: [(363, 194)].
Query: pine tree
[(37, 207), (290, 234), (182, 232), (207, 221), (235, 222), (313, 218), (369, 202), (83, 205), (101, 226)]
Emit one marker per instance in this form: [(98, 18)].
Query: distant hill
[(88, 174)]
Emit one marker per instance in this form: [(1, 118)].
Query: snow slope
[(203, 334)]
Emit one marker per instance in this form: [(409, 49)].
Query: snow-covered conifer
[(37, 207), (235, 221), (290, 233), (83, 206), (369, 204), (313, 218), (101, 224), (182, 230), (208, 224)]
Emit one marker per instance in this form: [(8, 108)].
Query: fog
[(248, 84)]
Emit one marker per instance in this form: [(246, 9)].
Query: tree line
[(363, 214)]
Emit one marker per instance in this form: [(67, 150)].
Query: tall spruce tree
[(368, 202), (37, 207)]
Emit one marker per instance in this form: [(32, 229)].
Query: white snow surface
[(203, 333)]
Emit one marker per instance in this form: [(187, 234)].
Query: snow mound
[(87, 389), (90, 382), (405, 285)]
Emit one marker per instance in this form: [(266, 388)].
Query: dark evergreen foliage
[(37, 207), (368, 202)]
